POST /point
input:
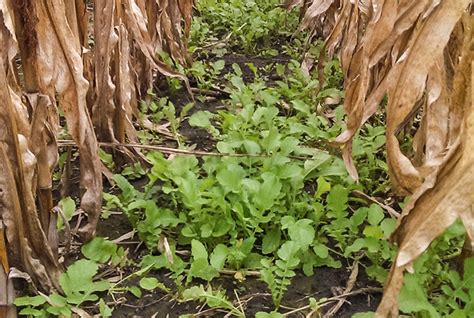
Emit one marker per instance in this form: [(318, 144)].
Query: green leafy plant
[(255, 199), (251, 25), (278, 275), (78, 286), (213, 298)]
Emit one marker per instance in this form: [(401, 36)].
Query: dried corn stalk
[(419, 54), (91, 60)]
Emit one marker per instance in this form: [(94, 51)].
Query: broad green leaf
[(198, 250), (375, 214), (105, 311), (34, 301), (135, 291), (231, 177), (321, 250), (31, 312), (77, 282), (302, 232), (337, 199), (271, 241), (219, 256), (68, 207), (99, 249), (388, 226), (288, 250), (201, 119), (149, 283), (269, 191), (273, 314)]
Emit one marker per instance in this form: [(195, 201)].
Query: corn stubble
[(92, 61), (419, 54)]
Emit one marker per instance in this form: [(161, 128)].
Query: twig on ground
[(213, 92), (390, 210), (245, 273), (366, 290), (167, 150), (124, 237), (239, 301)]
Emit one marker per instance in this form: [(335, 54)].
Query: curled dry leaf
[(27, 241), (447, 193)]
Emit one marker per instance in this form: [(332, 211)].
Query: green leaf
[(373, 231), (68, 207), (301, 106), (271, 241), (77, 282), (99, 249), (201, 119), (149, 283), (388, 226), (105, 311), (269, 191), (57, 300), (375, 214), (231, 178), (31, 312), (218, 65), (219, 256), (198, 250), (35, 301), (323, 187), (321, 250), (356, 246), (288, 250), (337, 199), (251, 147), (302, 232), (135, 291), (413, 298), (128, 191), (457, 314)]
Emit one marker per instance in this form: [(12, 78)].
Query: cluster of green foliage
[(249, 27)]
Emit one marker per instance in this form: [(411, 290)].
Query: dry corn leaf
[(18, 176), (447, 193)]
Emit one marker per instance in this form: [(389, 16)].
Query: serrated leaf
[(323, 187)]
